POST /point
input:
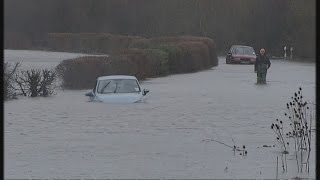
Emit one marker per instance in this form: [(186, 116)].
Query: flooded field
[(183, 130)]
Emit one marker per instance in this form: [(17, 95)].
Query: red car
[(241, 54)]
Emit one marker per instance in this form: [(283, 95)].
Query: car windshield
[(118, 86), (244, 50)]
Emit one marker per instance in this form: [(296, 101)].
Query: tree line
[(260, 23)]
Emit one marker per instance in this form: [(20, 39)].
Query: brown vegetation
[(154, 57), (8, 80), (36, 82), (88, 42)]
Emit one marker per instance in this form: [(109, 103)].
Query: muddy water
[(174, 134)]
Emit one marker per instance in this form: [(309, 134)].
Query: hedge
[(140, 57)]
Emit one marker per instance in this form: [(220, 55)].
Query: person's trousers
[(261, 77)]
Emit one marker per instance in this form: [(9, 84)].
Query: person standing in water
[(262, 65)]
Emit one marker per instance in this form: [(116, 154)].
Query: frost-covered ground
[(175, 134)]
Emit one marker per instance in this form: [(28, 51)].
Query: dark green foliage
[(175, 55), (162, 61)]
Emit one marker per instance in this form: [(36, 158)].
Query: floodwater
[(185, 128)]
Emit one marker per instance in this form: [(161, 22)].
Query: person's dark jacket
[(262, 59)]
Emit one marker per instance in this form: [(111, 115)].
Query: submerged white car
[(117, 89)]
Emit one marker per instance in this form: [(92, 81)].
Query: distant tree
[(260, 23)]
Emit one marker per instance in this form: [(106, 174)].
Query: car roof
[(116, 77)]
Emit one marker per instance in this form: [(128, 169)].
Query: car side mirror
[(145, 92), (89, 94)]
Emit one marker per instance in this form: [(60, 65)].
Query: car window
[(106, 86), (127, 86), (244, 50), (233, 50), (248, 51), (118, 86)]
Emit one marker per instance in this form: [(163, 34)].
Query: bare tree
[(8, 77), (35, 82)]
